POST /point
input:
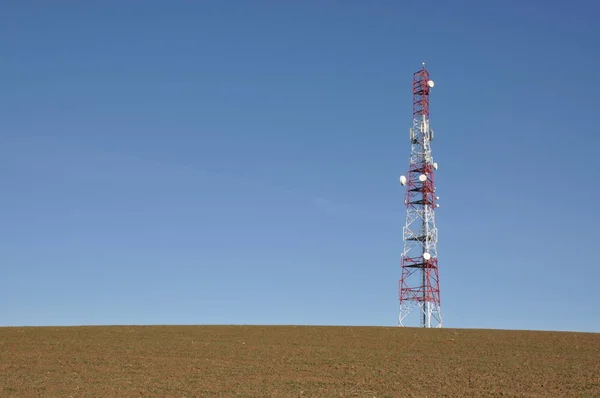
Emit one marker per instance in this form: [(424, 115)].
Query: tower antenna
[(419, 286)]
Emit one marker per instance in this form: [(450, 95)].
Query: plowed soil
[(289, 361)]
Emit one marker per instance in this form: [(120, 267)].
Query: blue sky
[(237, 162)]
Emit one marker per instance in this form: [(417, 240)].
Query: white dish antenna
[(422, 178), (435, 165), (403, 180), (426, 256), (430, 83)]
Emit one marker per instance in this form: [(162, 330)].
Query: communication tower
[(419, 287)]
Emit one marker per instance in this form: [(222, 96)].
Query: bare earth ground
[(290, 361)]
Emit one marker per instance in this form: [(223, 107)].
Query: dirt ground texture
[(295, 361)]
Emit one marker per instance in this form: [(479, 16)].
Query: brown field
[(295, 361)]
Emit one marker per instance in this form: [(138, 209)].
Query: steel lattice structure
[(419, 286)]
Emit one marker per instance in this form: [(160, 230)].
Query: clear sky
[(211, 162)]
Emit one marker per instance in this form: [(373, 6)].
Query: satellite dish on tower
[(402, 180), (430, 83), (426, 256), (422, 178)]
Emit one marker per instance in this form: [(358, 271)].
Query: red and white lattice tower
[(419, 288)]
